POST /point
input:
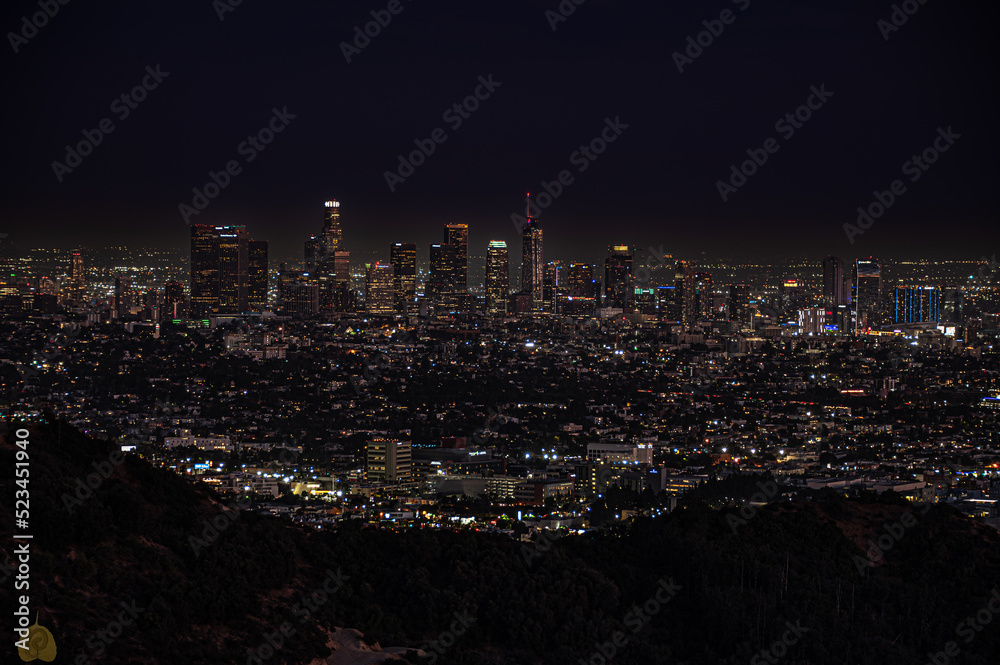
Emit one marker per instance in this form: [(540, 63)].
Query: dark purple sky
[(656, 184)]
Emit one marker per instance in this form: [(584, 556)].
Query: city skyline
[(659, 178)]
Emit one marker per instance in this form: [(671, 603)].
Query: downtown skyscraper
[(443, 286), (532, 265), (379, 292), (618, 276), (833, 282), (403, 257), (497, 278), (867, 298), (458, 235), (221, 277)]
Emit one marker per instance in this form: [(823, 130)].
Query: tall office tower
[(76, 290), (739, 303), (379, 291), (618, 276), (833, 282), (553, 286), (234, 270), (497, 278), (120, 304), (668, 303), (257, 252), (790, 295), (458, 235), (300, 299), (220, 270), (174, 306), (204, 270), (645, 301), (403, 257), (867, 298), (916, 305), (686, 280), (580, 280), (442, 286), (332, 237), (532, 268), (388, 461), (313, 252), (705, 305)]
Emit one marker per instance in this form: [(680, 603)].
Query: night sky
[(656, 184)]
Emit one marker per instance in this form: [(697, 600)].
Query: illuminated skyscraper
[(833, 282), (234, 270), (532, 267), (618, 276), (403, 257), (553, 286), (580, 280), (705, 305), (77, 288), (257, 251), (867, 298), (916, 305), (458, 235), (204, 270), (220, 270), (497, 278), (686, 280), (441, 288), (379, 292), (739, 303), (332, 237), (327, 264)]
